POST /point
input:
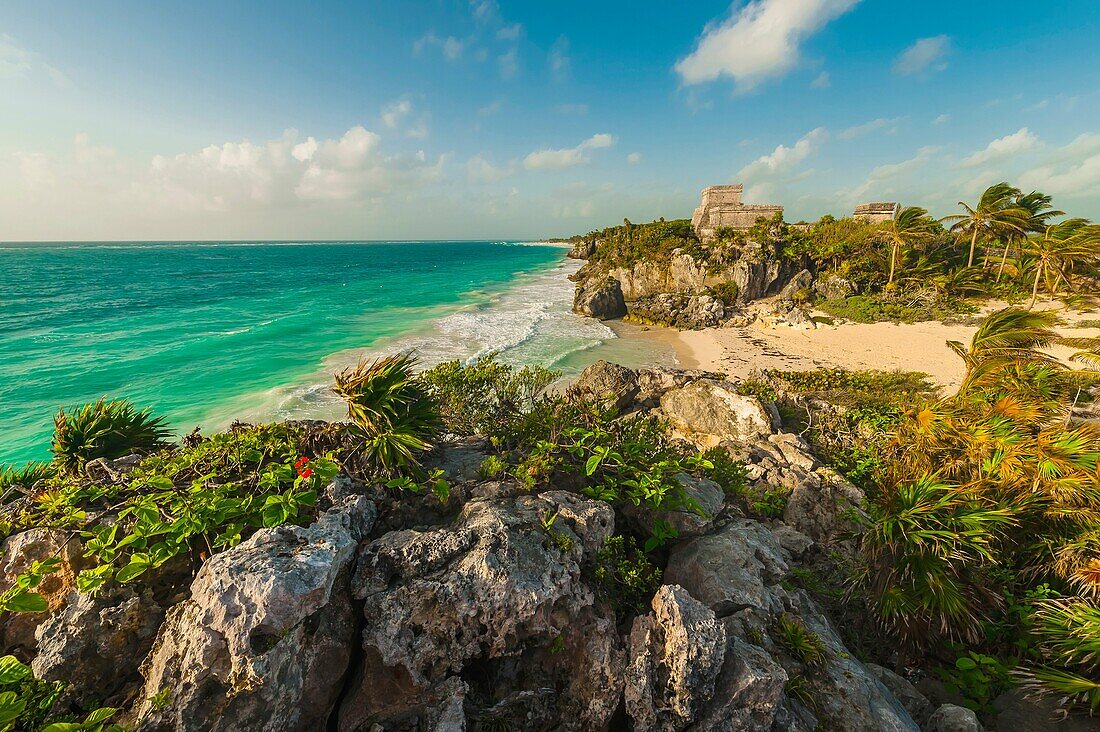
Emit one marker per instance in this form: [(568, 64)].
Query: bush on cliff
[(104, 429)]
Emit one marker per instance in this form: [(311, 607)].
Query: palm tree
[(1040, 211), (1058, 249), (996, 216), (909, 228)]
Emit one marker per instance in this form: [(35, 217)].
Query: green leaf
[(11, 707), (100, 715), (965, 664), (139, 564), (12, 670), (591, 465), (24, 601)]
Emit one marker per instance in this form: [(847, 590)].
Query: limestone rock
[(96, 642), (918, 706), (496, 592), (709, 412), (824, 506), (601, 299), (460, 458), (800, 281), (265, 640), (951, 718), (19, 552), (1016, 712), (608, 382), (582, 249), (675, 656), (834, 287), (676, 310)]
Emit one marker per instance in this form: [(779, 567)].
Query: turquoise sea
[(208, 332)]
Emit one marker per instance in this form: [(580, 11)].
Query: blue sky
[(483, 118)]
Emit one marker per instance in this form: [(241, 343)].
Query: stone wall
[(721, 206), (876, 212)]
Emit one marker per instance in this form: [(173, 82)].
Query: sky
[(470, 119)]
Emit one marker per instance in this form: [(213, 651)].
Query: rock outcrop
[(601, 299), (676, 310), (709, 412)]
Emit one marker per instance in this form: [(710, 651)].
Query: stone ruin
[(876, 213), (722, 207)]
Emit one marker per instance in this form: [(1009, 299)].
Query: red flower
[(302, 461)]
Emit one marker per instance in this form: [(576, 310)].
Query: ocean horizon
[(209, 332)]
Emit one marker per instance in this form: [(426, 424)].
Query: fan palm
[(997, 216), (1058, 249), (1011, 335), (391, 409), (908, 229)]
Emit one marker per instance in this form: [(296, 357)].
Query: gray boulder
[(834, 287), (918, 706), (265, 640), (582, 249), (1018, 712), (498, 592), (800, 281), (951, 718), (709, 412), (824, 506), (600, 298), (608, 382), (675, 655)]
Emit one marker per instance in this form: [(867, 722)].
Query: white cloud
[(924, 54), (634, 158), (877, 183), (510, 32), (822, 81), (1008, 146), (479, 170), (484, 10), (559, 60), (577, 109), (395, 112), (568, 157), (16, 62), (889, 125), (508, 64), (758, 41), (450, 46), (783, 160), (942, 119), (1072, 170)]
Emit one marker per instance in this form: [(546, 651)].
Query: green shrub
[(24, 478), (26, 703), (726, 293), (727, 472), (491, 467), (393, 413), (626, 577), (771, 504), (799, 641), (104, 429), (977, 678)]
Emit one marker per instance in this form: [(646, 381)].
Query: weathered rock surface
[(918, 706), (265, 640), (497, 601), (19, 552), (833, 287), (601, 299), (607, 382), (96, 642), (687, 312), (709, 412), (824, 506), (583, 249), (950, 718), (1016, 712), (675, 655)]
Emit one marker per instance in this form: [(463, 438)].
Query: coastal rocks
[(686, 312), (916, 703), (709, 412), (675, 656), (602, 299), (799, 282), (497, 600), (824, 506), (680, 273), (833, 287), (265, 640), (610, 383), (96, 642), (583, 249), (20, 551), (1016, 712), (739, 572), (759, 277)]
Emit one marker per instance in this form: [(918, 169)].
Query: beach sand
[(889, 346)]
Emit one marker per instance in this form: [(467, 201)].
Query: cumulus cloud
[(822, 81), (1072, 170), (942, 119), (510, 32), (924, 54), (758, 41), (875, 125), (878, 182), (1008, 146), (569, 157), (783, 160), (395, 112)]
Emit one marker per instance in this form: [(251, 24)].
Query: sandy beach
[(905, 346)]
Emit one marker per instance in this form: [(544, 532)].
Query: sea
[(208, 332)]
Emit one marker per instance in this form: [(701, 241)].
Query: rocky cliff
[(399, 612)]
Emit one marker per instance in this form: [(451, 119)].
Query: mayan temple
[(722, 207), (876, 212)]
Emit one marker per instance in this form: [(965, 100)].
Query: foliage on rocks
[(104, 429)]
